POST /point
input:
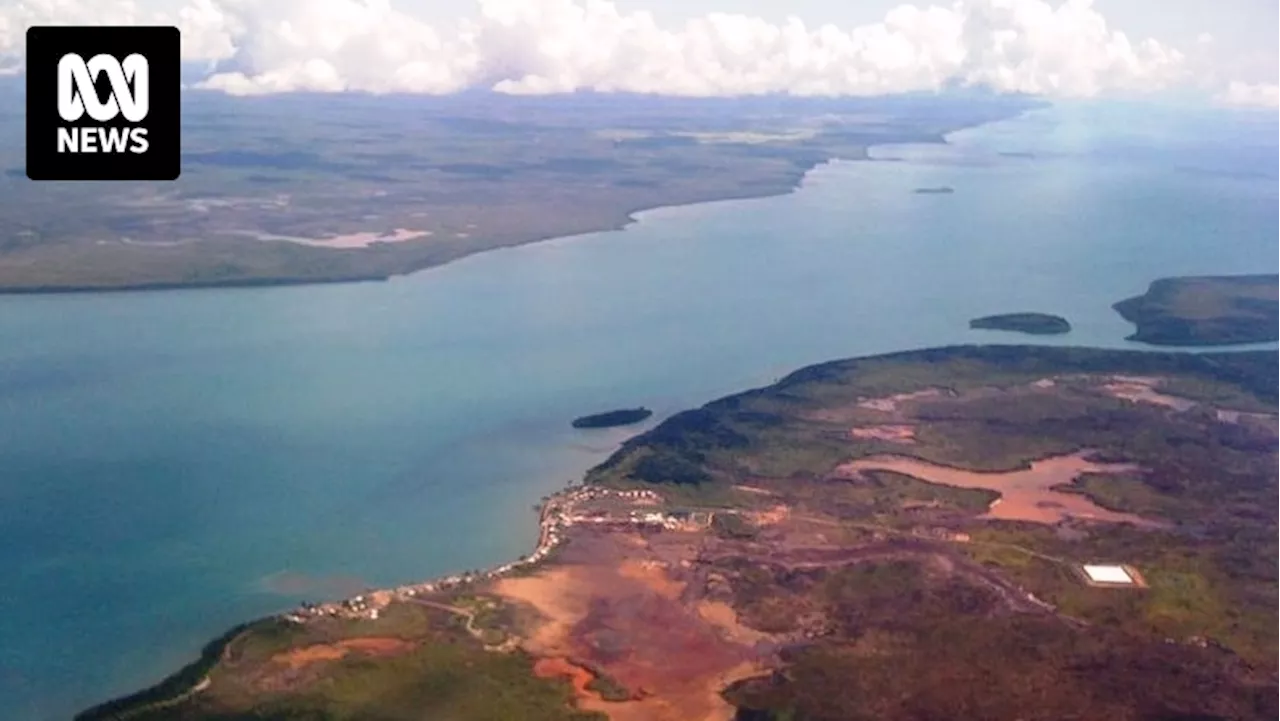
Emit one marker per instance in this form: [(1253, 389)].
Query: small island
[(1205, 310), (611, 419), (939, 190), (1032, 323)]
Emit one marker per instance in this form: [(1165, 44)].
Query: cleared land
[(367, 187), (1025, 495), (1206, 310), (902, 593), (796, 570)]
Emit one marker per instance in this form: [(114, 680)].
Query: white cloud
[(1262, 95), (538, 46)]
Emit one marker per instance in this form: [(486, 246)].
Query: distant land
[(264, 201), (1206, 310), (939, 190), (609, 419), (1031, 323), (891, 538)]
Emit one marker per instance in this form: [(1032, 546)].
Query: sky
[(1221, 51)]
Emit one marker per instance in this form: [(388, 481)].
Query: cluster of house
[(366, 605), (670, 522), (561, 513), (587, 493), (557, 514)]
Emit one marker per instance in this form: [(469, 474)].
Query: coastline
[(785, 185), (555, 515), (553, 518), (628, 218), (631, 218)]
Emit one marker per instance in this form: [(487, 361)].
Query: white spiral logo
[(77, 94)]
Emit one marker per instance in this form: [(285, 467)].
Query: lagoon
[(172, 463)]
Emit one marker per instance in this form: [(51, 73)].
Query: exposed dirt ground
[(889, 404), (578, 677), (722, 616), (893, 433), (1026, 495), (351, 240), (373, 646), (633, 619), (1143, 390), (656, 611)]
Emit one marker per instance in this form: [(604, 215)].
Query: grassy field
[(1205, 310), (473, 171)]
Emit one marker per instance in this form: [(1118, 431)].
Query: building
[(1108, 575)]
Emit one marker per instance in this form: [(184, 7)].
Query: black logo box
[(161, 46)]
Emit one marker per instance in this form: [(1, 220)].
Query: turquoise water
[(173, 463)]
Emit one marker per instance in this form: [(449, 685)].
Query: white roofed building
[(1107, 574)]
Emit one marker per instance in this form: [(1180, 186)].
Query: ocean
[(172, 463)]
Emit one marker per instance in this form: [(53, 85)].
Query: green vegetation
[(883, 495), (896, 600), (413, 663), (1205, 310), (256, 189), (906, 644), (607, 687), (902, 638), (731, 525), (173, 688), (610, 419), (1032, 323), (490, 618)]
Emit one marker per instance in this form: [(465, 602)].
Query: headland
[(1206, 310), (272, 211), (863, 537)]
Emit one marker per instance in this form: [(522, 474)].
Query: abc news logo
[(103, 103), (77, 96)]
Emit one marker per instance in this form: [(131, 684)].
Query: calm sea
[(173, 463)]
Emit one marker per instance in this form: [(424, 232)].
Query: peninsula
[(430, 182), (993, 532), (1206, 310), (610, 419), (1031, 323)]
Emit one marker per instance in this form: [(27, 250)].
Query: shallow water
[(172, 463)]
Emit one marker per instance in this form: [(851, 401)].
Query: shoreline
[(555, 515), (629, 218), (553, 518)]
